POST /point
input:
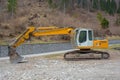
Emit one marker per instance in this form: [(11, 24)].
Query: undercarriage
[(86, 54)]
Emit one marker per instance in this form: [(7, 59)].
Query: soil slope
[(33, 12)]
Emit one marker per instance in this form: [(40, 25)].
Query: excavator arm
[(33, 32), (21, 39), (14, 56)]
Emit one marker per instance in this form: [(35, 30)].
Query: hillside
[(38, 13)]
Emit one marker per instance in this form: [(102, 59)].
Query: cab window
[(90, 35), (83, 36)]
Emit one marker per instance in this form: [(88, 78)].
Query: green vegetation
[(114, 46), (109, 6), (12, 5), (50, 2), (95, 4), (114, 6), (118, 10), (3, 43), (103, 5), (103, 21), (84, 4)]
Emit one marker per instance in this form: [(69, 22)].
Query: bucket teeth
[(15, 57)]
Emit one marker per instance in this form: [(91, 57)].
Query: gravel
[(26, 49), (42, 68)]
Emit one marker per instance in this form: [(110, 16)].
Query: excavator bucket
[(15, 57)]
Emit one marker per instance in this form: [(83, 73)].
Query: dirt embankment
[(33, 12)]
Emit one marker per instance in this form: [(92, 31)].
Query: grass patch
[(113, 37), (114, 46), (3, 42)]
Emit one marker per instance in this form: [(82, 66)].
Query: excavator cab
[(83, 38)]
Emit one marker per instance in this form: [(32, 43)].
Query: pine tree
[(103, 5), (84, 4), (12, 5), (79, 1), (50, 2), (118, 10), (108, 6), (114, 6), (95, 4)]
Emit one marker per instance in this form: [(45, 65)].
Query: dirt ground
[(56, 68)]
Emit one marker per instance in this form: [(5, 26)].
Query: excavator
[(83, 40)]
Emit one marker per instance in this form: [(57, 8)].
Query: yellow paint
[(46, 28), (97, 44), (21, 39), (100, 43), (56, 31)]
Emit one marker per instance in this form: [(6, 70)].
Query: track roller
[(105, 55)]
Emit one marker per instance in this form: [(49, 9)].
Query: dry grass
[(114, 46), (2, 42), (54, 56), (113, 37)]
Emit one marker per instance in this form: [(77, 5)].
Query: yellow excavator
[(82, 39)]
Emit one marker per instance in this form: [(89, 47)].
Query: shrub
[(52, 4), (103, 21)]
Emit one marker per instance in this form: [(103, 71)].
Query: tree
[(114, 6), (118, 10), (79, 1), (84, 4), (50, 2), (64, 4), (12, 5), (103, 21), (95, 4), (109, 7), (103, 5)]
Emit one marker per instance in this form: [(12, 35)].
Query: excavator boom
[(33, 32)]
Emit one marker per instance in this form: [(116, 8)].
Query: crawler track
[(91, 54)]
